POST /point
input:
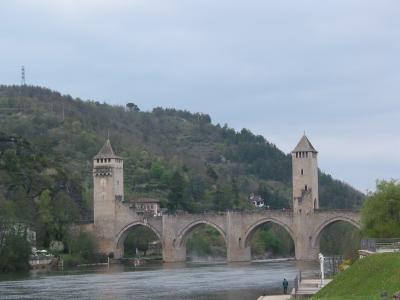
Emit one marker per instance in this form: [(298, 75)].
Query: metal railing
[(332, 265), (377, 245), (296, 283)]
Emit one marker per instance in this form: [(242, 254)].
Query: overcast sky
[(331, 68)]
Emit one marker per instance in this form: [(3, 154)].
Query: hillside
[(180, 157), (36, 190), (367, 278)]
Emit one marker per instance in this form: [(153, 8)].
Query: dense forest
[(179, 157), (48, 140)]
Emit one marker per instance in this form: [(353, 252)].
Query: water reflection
[(167, 282)]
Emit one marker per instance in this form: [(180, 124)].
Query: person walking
[(285, 284)]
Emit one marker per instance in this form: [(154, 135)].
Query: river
[(239, 281)]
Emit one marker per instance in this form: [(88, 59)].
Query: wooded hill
[(180, 157)]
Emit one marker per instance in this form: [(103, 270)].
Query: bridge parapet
[(351, 210), (327, 216)]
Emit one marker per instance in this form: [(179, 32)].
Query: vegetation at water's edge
[(81, 248), (204, 242), (366, 279), (271, 241), (138, 242), (340, 238), (14, 251)]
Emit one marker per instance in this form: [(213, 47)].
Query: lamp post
[(321, 262)]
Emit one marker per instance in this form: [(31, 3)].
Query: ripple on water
[(200, 282)]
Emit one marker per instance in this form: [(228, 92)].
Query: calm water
[(167, 282)]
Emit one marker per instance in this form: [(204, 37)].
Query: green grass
[(365, 279)]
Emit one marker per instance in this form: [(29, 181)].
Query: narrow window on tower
[(306, 188), (302, 173)]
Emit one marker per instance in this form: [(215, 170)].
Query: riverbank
[(368, 278)]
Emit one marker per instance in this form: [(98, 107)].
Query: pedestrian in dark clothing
[(285, 284)]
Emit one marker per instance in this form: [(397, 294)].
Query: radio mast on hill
[(23, 76)]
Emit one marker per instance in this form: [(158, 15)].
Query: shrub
[(14, 254)]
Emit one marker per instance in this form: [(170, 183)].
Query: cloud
[(276, 67)]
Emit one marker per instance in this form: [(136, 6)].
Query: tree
[(56, 214), (176, 194), (223, 198), (14, 250), (211, 173), (139, 238), (272, 200), (132, 107), (65, 213), (82, 245), (381, 212), (235, 192), (271, 240), (46, 217)]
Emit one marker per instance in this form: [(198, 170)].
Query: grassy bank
[(366, 279)]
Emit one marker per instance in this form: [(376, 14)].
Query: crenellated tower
[(108, 187), (305, 177)]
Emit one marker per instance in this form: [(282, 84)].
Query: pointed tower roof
[(304, 145), (106, 151)]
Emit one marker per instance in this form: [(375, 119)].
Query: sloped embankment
[(366, 279)]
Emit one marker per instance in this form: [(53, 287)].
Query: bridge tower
[(305, 197), (108, 187), (305, 177)]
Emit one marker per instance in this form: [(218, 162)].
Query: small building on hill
[(18, 229), (147, 206), (256, 200), (7, 141)]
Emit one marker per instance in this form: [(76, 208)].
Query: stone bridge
[(113, 219), (237, 229)]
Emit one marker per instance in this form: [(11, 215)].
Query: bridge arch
[(253, 228), (183, 234), (123, 234), (316, 236)]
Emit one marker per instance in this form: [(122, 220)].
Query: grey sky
[(331, 68)]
